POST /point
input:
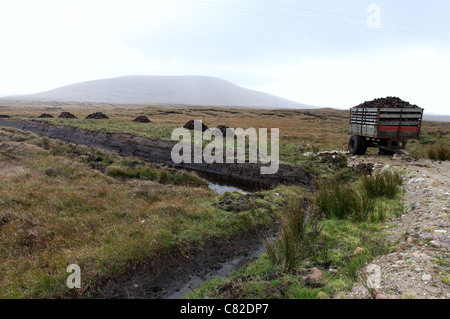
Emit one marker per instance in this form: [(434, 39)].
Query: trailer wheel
[(355, 145), (364, 145)]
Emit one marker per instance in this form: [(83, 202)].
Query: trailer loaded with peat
[(386, 123)]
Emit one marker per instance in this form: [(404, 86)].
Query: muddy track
[(172, 275), (158, 151)]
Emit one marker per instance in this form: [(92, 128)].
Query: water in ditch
[(229, 266), (223, 270), (221, 189)]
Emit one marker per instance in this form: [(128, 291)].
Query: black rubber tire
[(364, 145), (355, 145)]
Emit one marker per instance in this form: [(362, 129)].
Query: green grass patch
[(349, 238), (383, 185), (356, 200)]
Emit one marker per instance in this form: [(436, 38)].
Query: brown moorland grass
[(57, 210), (301, 131)]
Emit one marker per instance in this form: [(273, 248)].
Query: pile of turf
[(388, 102), (142, 119), (190, 126), (97, 116), (45, 116), (67, 115)]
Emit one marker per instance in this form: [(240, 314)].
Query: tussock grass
[(296, 241), (438, 153), (383, 185), (338, 199)]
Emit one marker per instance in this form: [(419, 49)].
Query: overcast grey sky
[(315, 52)]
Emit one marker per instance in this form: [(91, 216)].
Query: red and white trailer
[(389, 129)]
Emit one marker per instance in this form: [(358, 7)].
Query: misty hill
[(436, 117), (194, 90)]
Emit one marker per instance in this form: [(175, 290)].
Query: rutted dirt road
[(419, 266)]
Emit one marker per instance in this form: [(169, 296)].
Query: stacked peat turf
[(3, 116), (190, 126), (67, 115), (45, 116), (388, 102), (223, 129), (142, 119), (97, 116)]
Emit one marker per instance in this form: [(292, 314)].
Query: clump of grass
[(165, 177), (378, 215), (58, 171), (438, 153), (340, 200), (148, 173), (383, 185), (120, 171), (299, 233), (427, 139), (355, 200), (188, 178)]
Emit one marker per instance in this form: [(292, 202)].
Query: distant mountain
[(436, 117), (142, 89)]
